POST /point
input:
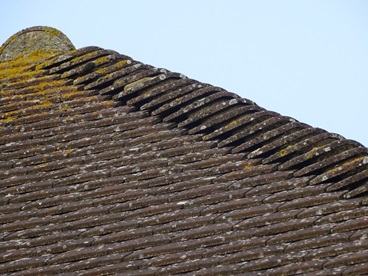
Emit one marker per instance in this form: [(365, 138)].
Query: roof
[(109, 165)]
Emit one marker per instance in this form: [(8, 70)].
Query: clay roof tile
[(109, 165)]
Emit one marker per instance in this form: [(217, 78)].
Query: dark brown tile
[(309, 201), (271, 262), (303, 234), (204, 231), (329, 208), (189, 266), (172, 100), (259, 123), (314, 242), (218, 119), (167, 221), (220, 270), (339, 170), (271, 183), (78, 254), (24, 264), (356, 269), (78, 60), (274, 223), (337, 251), (237, 203), (114, 268), (283, 145), (94, 263), (327, 162), (247, 256), (295, 268), (250, 169), (120, 86), (348, 180), (41, 270), (344, 215), (249, 212), (136, 244), (122, 236), (351, 224), (164, 91), (152, 88), (189, 102), (208, 106), (297, 193), (155, 251)]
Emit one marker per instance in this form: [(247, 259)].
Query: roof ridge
[(216, 114)]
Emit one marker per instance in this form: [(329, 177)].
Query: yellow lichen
[(15, 72), (64, 108), (287, 150), (248, 166), (45, 86), (7, 119), (53, 32), (40, 55), (114, 67), (83, 58), (68, 96), (12, 114), (45, 102), (348, 163), (231, 125), (313, 152), (68, 151), (101, 71), (19, 68), (102, 60)]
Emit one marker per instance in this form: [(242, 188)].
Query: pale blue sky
[(305, 59)]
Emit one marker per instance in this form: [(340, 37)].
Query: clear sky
[(306, 59)]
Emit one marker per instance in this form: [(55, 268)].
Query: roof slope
[(110, 165)]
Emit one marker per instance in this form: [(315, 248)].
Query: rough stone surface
[(32, 40)]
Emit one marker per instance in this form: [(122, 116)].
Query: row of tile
[(217, 114)]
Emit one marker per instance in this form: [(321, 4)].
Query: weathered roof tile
[(109, 165), (316, 241)]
